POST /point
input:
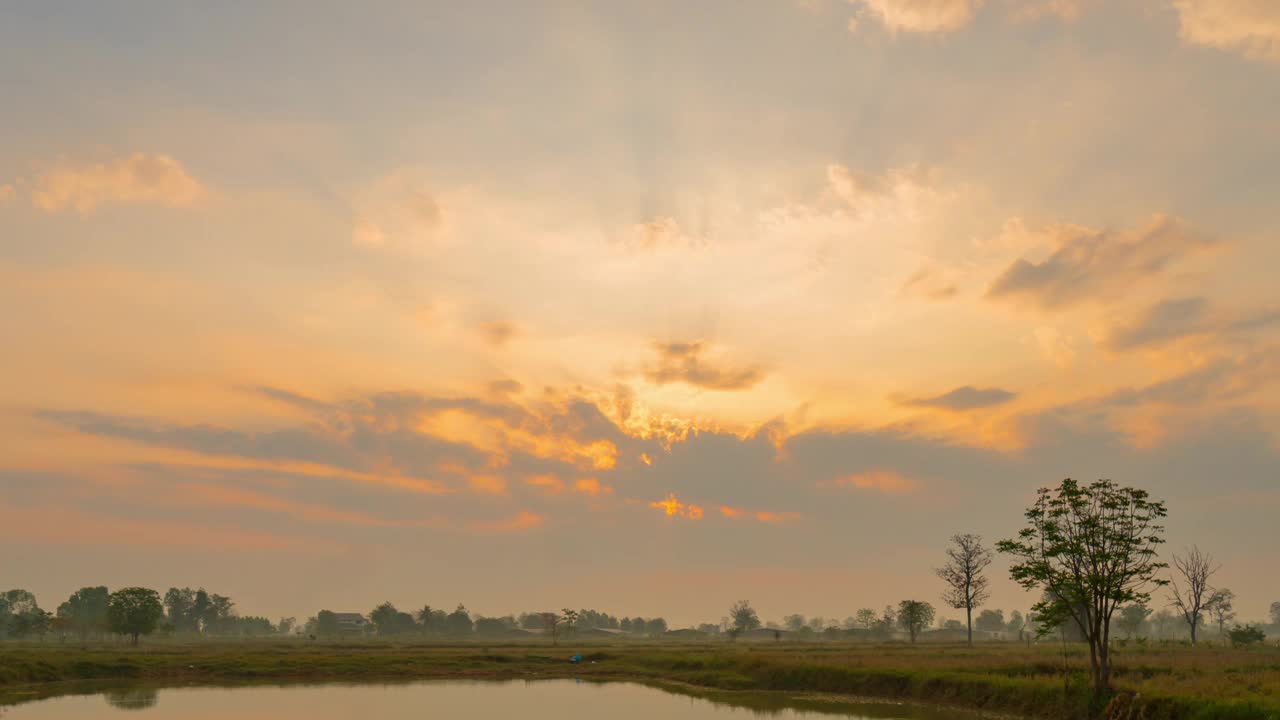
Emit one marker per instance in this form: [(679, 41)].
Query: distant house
[(768, 634), (350, 623)]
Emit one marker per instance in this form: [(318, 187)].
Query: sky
[(645, 307)]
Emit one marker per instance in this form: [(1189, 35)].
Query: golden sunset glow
[(645, 301)]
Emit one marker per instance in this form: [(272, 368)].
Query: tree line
[(95, 612), (386, 620)]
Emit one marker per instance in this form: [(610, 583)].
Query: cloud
[(419, 443), (60, 525), (683, 362), (520, 522), (657, 234), (1091, 264), (7, 193), (1216, 382), (1021, 10), (1179, 318), (399, 210), (930, 284), (236, 497), (1249, 27), (592, 487), (670, 505), (505, 387), (963, 398), (135, 180), (498, 332), (547, 484), (921, 16), (487, 484), (776, 518), (1054, 346), (884, 481), (899, 193)]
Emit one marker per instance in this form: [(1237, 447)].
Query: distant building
[(352, 623)]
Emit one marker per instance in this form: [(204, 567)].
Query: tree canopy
[(1091, 549)]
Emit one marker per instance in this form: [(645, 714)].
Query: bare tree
[(963, 574), (1192, 594)]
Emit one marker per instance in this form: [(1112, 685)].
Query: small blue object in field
[(577, 658)]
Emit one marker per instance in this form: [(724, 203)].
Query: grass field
[(1163, 682)]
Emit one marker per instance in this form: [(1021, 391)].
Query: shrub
[(1246, 636)]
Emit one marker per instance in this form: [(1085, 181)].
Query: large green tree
[(1091, 549), (743, 617), (85, 612), (134, 612), (914, 616)]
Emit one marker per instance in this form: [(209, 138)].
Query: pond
[(523, 700)]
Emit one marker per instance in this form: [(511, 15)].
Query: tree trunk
[(1193, 624), (969, 616)]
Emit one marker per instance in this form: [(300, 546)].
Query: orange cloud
[(674, 508), (774, 518), (670, 505), (1250, 27), (498, 332), (885, 481), (548, 484), (235, 497), (592, 487), (732, 512), (683, 362), (487, 484), (138, 179), (523, 520), (64, 526)]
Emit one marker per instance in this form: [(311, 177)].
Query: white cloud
[(399, 210), (135, 180), (922, 16), (1250, 27), (899, 193), (1055, 346)]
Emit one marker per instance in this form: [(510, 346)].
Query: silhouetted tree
[(1092, 549), (569, 619), (551, 624), (915, 616), (134, 611), (1132, 618), (964, 574), (85, 611), (867, 619), (990, 621), (1221, 608), (743, 617), (1191, 589), (458, 622)]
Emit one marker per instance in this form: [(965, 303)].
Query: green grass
[(1157, 683)]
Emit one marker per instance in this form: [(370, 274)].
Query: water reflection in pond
[(536, 700)]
